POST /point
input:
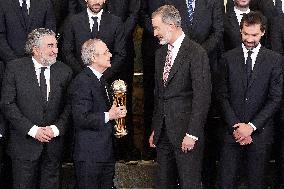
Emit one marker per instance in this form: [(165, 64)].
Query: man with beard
[(250, 93), (34, 103), (182, 98), (94, 22)]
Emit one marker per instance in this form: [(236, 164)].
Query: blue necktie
[(190, 10)]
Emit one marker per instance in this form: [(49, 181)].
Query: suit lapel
[(234, 21), (32, 14), (103, 25), (240, 66), (162, 60), (18, 11), (85, 25), (199, 4), (257, 66)]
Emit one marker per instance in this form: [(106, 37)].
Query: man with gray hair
[(93, 116), (34, 103), (182, 98)]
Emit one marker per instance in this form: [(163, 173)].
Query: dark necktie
[(25, 11), (95, 27), (43, 86), (278, 5), (249, 66), (105, 91), (190, 10)]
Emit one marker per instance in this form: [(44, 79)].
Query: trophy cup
[(119, 99)]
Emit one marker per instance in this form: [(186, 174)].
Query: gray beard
[(46, 62)]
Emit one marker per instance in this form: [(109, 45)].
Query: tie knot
[(95, 18), (170, 47), (249, 53), (190, 2), (42, 69)]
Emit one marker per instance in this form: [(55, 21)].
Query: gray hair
[(89, 48), (35, 37), (169, 15)]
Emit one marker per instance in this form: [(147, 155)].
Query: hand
[(246, 141), (49, 132), (117, 112), (242, 131), (151, 140), (41, 135), (187, 144)]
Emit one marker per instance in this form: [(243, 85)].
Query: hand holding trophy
[(119, 89)]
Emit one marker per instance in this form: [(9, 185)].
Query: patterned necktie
[(249, 66), (95, 27), (43, 86), (168, 63), (190, 10)]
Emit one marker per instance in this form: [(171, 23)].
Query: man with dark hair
[(34, 102), (17, 19), (182, 98), (250, 94), (93, 116)]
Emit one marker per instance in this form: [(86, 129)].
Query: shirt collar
[(178, 41), (38, 65), (98, 74), (239, 12), (254, 50), (91, 14)]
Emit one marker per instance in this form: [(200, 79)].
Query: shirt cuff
[(55, 130), (33, 131), (252, 125), (191, 136), (106, 117), (0, 136)]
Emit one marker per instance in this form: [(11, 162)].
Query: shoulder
[(62, 69), (19, 64), (112, 17)]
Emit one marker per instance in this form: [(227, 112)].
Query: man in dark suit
[(82, 27), (182, 98), (277, 33), (34, 103), (17, 19), (250, 94), (232, 20), (93, 115)]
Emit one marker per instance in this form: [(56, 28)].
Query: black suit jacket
[(277, 34), (183, 104), (23, 107), (111, 32), (256, 103), (207, 27), (93, 137), (232, 34), (14, 30)]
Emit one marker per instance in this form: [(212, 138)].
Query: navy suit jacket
[(14, 30), (256, 103), (93, 137)]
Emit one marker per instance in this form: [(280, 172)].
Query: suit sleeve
[(274, 97), (130, 23), (118, 53), (64, 117), (82, 104), (6, 53), (50, 21), (201, 86), (275, 36), (216, 33), (68, 48), (223, 96), (9, 103)]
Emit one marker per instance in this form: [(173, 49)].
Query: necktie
[(249, 66), (43, 86), (95, 27), (25, 11), (105, 91), (168, 65), (278, 5), (190, 10)]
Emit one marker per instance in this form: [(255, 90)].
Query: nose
[(55, 50)]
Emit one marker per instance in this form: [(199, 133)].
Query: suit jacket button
[(246, 99)]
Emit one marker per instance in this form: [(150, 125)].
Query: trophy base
[(120, 133)]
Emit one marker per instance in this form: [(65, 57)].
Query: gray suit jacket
[(23, 107), (183, 103)]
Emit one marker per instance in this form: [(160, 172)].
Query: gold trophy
[(119, 89)]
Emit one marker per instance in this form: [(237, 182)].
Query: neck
[(176, 35)]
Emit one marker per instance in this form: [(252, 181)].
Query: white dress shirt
[(32, 132), (240, 14), (176, 45), (99, 75), (28, 2), (254, 54), (91, 21)]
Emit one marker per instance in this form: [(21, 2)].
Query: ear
[(263, 33), (36, 51)]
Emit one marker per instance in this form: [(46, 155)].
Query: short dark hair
[(252, 18)]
